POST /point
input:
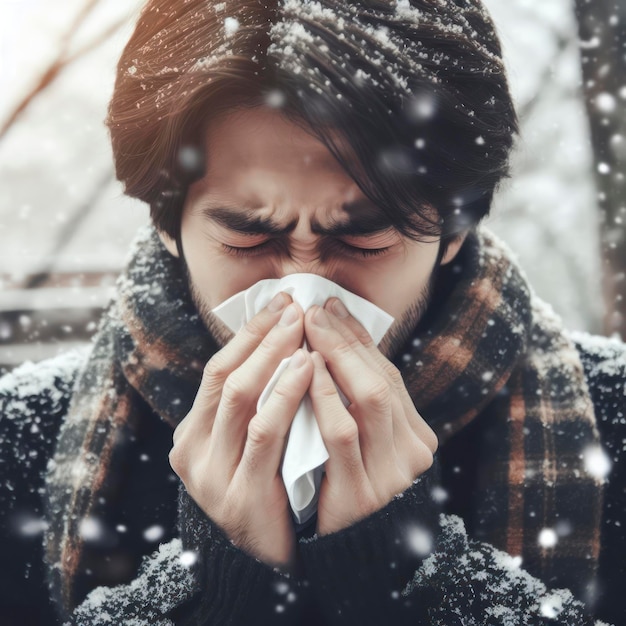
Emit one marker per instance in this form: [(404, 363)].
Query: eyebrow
[(246, 222), (367, 224)]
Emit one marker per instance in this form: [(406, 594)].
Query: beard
[(397, 335), (402, 329), (218, 330)]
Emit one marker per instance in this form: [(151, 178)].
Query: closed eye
[(357, 251), (331, 247), (247, 251)]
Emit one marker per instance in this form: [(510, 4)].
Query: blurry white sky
[(31, 32), (55, 158)]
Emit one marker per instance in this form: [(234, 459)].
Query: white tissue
[(305, 452)]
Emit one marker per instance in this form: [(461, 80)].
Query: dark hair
[(415, 89)]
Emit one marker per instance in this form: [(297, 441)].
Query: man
[(361, 142)]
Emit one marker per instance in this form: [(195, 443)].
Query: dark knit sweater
[(351, 577)]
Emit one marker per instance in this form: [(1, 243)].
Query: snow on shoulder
[(50, 379)]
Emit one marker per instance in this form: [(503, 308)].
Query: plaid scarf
[(493, 350)]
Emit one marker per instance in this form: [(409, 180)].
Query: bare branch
[(96, 41), (61, 61)]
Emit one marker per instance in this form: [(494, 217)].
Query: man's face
[(273, 202)]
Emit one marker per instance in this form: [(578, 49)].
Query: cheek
[(219, 278), (216, 276), (393, 285)]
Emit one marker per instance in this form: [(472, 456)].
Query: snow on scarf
[(492, 346)]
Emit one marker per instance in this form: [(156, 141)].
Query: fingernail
[(297, 360), (320, 318), (277, 303), (289, 316), (338, 308)]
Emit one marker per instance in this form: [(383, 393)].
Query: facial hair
[(403, 328), (394, 339), (219, 331)]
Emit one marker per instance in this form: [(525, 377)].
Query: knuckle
[(259, 432), (326, 389), (431, 441), (423, 461), (394, 373), (283, 390), (178, 432), (362, 335), (378, 395), (215, 368), (352, 338), (233, 391), (342, 349), (255, 330), (267, 345), (178, 461), (345, 433)]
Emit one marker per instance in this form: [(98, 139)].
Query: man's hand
[(379, 444), (226, 454)]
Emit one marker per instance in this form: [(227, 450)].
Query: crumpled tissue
[(305, 452)]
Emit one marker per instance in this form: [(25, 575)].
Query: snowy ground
[(61, 210)]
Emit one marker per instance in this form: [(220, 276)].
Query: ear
[(169, 243), (453, 248)]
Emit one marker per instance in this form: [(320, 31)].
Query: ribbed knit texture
[(235, 587), (358, 574)]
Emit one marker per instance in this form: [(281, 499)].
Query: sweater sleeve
[(357, 574), (198, 579), (232, 587), (404, 566)]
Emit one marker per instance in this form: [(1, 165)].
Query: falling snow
[(163, 575), (548, 538), (597, 462), (154, 533), (419, 540), (91, 529), (606, 103), (188, 558)]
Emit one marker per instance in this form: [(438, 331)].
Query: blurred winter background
[(65, 224)]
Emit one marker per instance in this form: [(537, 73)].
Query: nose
[(305, 255), (303, 264)]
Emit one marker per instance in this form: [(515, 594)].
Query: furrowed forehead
[(356, 218)]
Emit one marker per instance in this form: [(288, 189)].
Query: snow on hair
[(415, 89)]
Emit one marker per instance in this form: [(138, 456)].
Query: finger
[(392, 466), (361, 341), (227, 359), (244, 385), (338, 428), (239, 348), (267, 431), (368, 391), (414, 441), (198, 423)]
